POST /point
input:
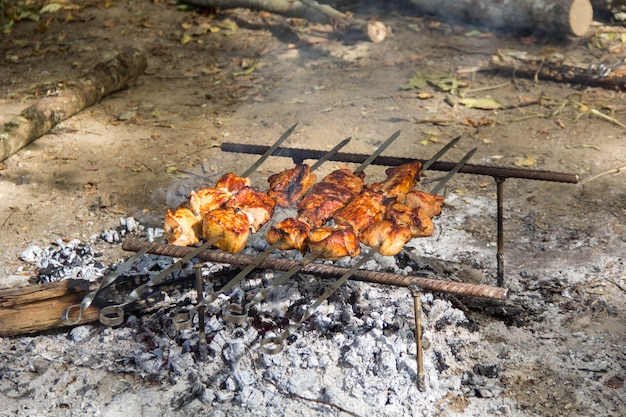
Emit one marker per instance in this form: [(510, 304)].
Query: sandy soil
[(140, 151)]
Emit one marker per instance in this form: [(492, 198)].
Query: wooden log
[(39, 307), (553, 17), (105, 78)]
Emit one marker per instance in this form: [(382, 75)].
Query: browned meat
[(258, 206), (291, 185), (232, 224), (185, 227), (430, 204), (292, 233), (329, 195), (207, 199), (334, 242), (365, 209), (232, 183), (420, 224), (399, 180), (390, 236)]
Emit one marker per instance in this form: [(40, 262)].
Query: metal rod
[(419, 355), (500, 216), (199, 295), (427, 284), (302, 154)]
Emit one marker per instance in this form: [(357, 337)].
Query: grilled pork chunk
[(390, 236), (334, 242), (232, 224), (186, 228), (291, 185), (208, 199), (292, 233), (430, 204), (420, 224), (232, 183), (258, 206), (329, 195), (400, 180), (365, 209)]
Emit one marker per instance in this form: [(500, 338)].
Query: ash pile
[(356, 354)]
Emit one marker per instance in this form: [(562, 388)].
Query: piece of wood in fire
[(554, 17), (105, 78), (39, 307)]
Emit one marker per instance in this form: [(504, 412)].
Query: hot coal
[(76, 259), (71, 259)]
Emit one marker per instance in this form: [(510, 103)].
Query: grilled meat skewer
[(332, 193), (289, 186)]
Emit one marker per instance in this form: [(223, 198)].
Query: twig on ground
[(616, 171), (314, 400)]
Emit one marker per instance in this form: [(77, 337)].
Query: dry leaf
[(480, 103), (529, 161)]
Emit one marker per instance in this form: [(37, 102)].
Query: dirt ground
[(239, 76)]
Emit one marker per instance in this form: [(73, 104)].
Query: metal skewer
[(453, 171), (234, 313), (115, 314), (106, 281), (273, 345), (184, 320)]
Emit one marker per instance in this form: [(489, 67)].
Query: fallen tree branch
[(556, 67), (309, 10), (105, 78), (305, 9)]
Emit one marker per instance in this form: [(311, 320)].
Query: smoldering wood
[(553, 17), (105, 78), (39, 307), (556, 67)]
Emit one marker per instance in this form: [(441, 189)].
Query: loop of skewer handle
[(272, 345), (112, 315), (234, 313), (182, 321)]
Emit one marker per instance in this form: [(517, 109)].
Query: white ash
[(73, 259), (76, 259), (356, 352)]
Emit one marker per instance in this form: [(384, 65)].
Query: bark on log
[(105, 78), (553, 17)]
